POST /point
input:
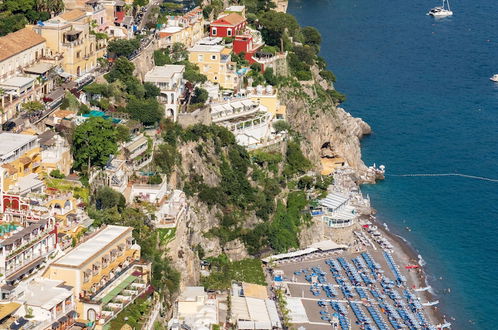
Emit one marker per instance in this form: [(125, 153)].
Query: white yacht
[(494, 78), (441, 11)]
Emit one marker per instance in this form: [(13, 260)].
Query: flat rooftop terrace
[(93, 246)]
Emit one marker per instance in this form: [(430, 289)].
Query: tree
[(33, 106), (161, 57), (151, 90), (193, 74), (140, 3), (147, 111), (270, 78), (97, 89), (107, 198), (123, 133), (200, 96), (56, 174), (274, 24), (281, 126), (93, 143), (123, 47), (121, 70), (166, 157), (179, 52), (311, 36)]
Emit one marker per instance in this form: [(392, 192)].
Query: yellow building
[(268, 97), (187, 29), (105, 272), (69, 35), (20, 156), (214, 61)]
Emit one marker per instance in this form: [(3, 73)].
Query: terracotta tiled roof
[(232, 19), (72, 15), (10, 168), (17, 42)]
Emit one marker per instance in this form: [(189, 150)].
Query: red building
[(245, 43), (228, 26)]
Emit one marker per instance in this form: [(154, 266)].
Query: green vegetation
[(123, 47), (224, 271), (33, 106), (133, 315), (57, 174), (93, 142), (107, 198), (63, 185), (166, 235), (15, 14)]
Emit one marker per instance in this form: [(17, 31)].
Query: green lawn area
[(223, 272), (166, 235), (79, 191)]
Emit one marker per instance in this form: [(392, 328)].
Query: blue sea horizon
[(423, 85)]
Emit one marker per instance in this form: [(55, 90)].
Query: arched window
[(91, 314)]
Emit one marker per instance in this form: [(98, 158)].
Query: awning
[(18, 324), (26, 269), (114, 292), (55, 325), (62, 319), (39, 68), (7, 309)]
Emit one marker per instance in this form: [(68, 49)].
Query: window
[(200, 58), (213, 57), (213, 31), (78, 54), (229, 32)]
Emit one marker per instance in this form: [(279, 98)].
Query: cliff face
[(324, 124), (191, 232)]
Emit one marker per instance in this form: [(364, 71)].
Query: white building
[(13, 146), (195, 309), (249, 121), (169, 79), (50, 301)]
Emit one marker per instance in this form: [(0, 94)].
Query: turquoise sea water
[(423, 85)]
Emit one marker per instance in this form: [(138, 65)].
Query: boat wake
[(482, 178)]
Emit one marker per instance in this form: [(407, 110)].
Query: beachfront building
[(252, 308), (228, 25), (68, 35), (215, 62), (20, 158), (187, 29), (105, 272), (169, 79), (24, 75), (336, 211), (24, 249), (195, 309)]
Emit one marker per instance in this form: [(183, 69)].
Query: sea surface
[(423, 85)]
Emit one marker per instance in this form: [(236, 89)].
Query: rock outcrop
[(324, 125)]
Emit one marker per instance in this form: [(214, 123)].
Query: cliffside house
[(68, 35), (227, 26), (25, 75), (169, 79), (187, 29), (215, 62)]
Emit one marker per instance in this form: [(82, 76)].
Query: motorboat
[(494, 78), (441, 11)]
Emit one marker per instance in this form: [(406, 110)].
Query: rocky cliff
[(323, 124)]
